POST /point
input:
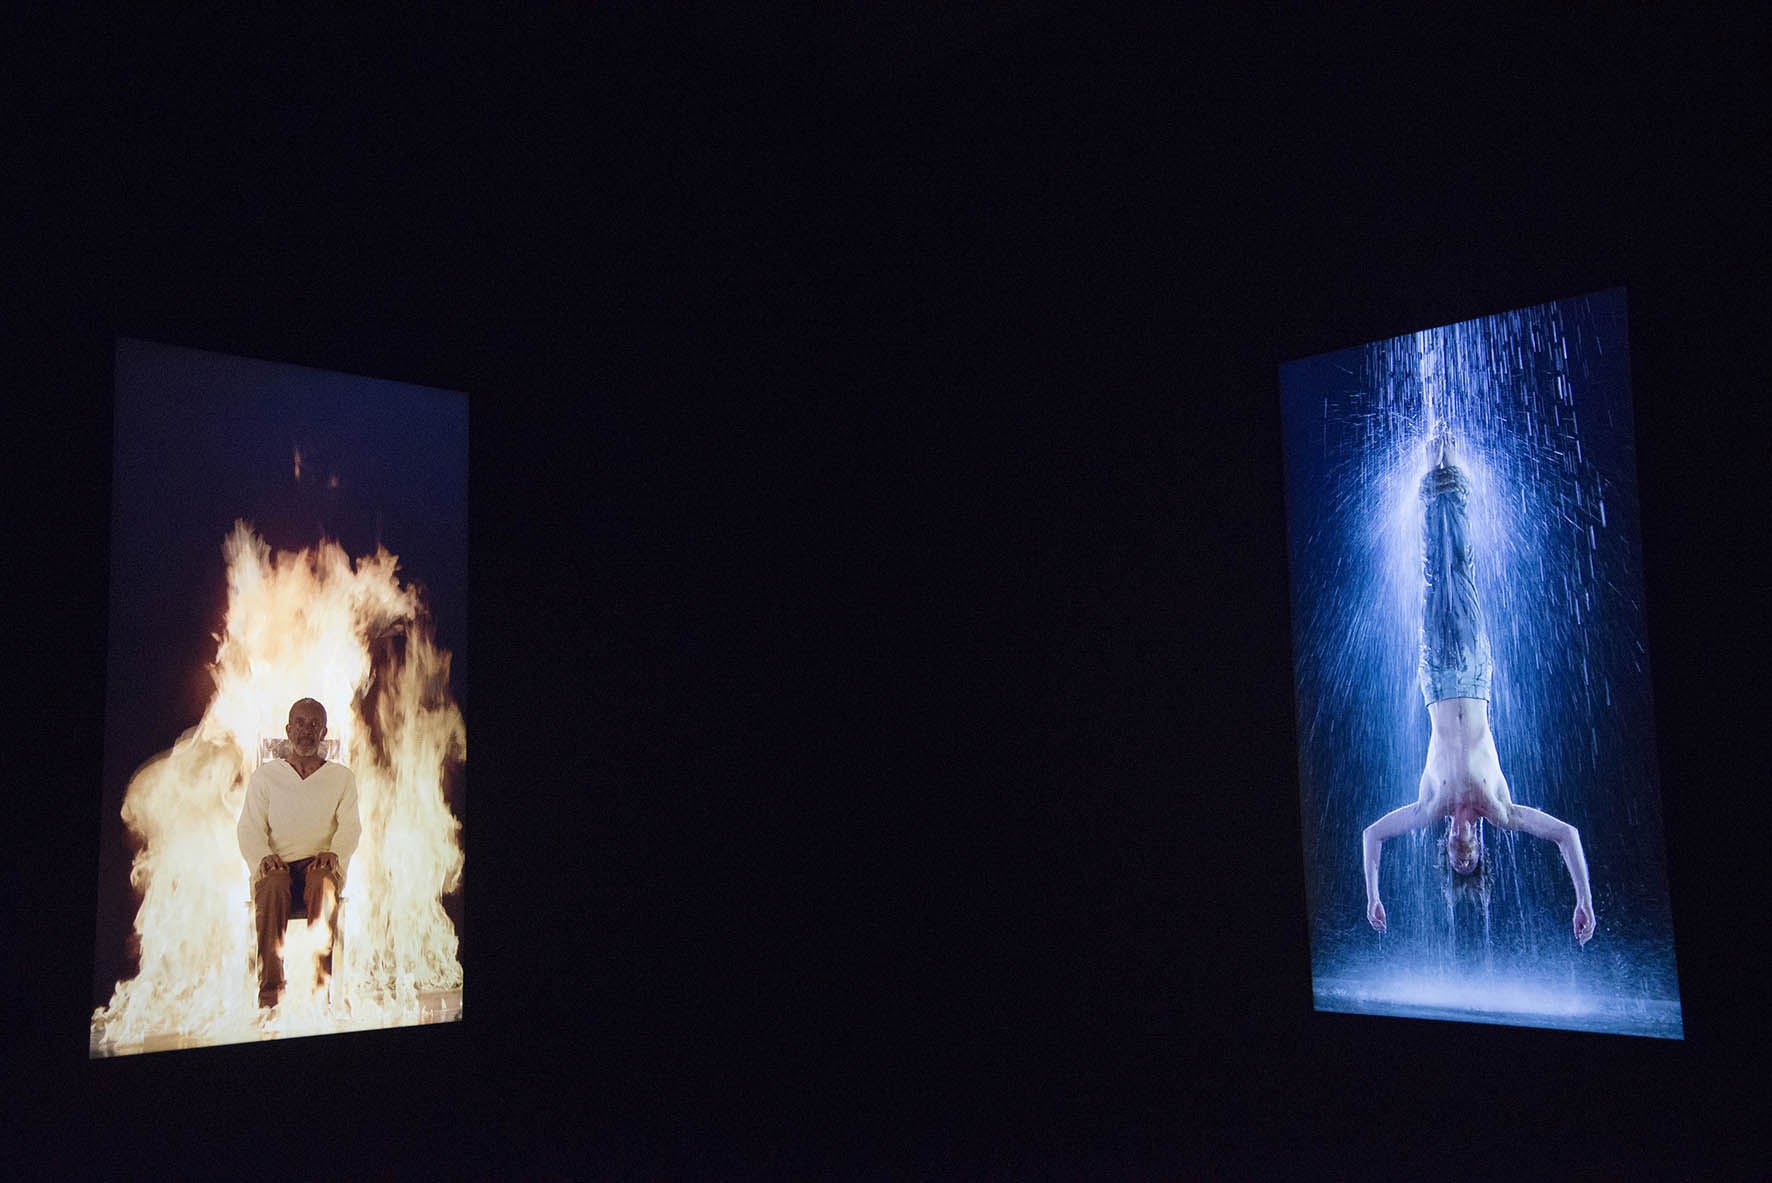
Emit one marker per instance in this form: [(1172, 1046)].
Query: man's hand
[(271, 863), (1375, 915), (325, 861), (1584, 922)]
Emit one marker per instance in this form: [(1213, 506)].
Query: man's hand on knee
[(325, 861), (271, 863)]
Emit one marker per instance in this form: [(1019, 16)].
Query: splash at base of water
[(1502, 1001)]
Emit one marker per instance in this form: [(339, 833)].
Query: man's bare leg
[(1442, 448)]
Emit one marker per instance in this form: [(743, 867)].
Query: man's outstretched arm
[(1397, 821), (1540, 824)]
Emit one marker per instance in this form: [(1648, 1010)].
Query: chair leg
[(334, 983)]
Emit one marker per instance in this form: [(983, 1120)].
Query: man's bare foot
[(1442, 448)]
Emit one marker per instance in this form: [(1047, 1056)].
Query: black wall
[(882, 723)]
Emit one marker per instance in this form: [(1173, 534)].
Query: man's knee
[(270, 886), (320, 887)]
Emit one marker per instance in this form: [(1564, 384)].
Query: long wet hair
[(1465, 888)]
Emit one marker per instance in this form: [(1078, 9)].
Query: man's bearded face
[(307, 727)]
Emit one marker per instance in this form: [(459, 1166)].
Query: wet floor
[(1506, 1004)]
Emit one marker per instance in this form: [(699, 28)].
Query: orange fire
[(309, 623)]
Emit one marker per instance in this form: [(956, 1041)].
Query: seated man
[(1462, 781), (297, 828)]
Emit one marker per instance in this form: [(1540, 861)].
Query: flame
[(299, 624)]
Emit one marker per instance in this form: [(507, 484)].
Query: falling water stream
[(1539, 402)]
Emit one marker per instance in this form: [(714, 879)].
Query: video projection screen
[(281, 846), (1481, 810)]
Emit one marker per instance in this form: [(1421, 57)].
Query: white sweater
[(295, 818)]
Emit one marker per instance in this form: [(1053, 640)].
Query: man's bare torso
[(1462, 779)]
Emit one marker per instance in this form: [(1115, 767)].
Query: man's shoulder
[(268, 771), (339, 784)]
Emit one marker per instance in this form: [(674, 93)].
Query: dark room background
[(883, 729)]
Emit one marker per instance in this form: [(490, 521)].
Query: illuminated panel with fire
[(313, 621)]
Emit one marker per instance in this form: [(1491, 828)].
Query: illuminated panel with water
[(1537, 404), (278, 533)]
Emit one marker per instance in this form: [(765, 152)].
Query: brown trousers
[(274, 898)]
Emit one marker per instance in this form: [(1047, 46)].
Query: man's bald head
[(312, 704)]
